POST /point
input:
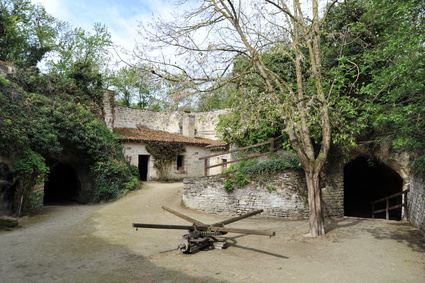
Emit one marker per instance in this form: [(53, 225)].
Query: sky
[(120, 16)]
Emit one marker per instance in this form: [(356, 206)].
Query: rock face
[(6, 69), (8, 222)]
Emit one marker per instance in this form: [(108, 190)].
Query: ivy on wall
[(164, 154)]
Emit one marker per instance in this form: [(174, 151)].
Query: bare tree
[(210, 38)]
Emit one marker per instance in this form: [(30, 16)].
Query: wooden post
[(205, 167), (387, 213), (271, 145), (373, 210), (404, 200)]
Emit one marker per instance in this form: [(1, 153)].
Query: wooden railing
[(273, 148), (387, 204)]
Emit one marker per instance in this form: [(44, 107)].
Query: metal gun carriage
[(205, 235)]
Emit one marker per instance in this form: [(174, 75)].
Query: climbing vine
[(164, 153)]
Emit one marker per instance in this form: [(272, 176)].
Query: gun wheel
[(184, 246)]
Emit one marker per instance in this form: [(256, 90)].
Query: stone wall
[(416, 202), (287, 199), (202, 124), (332, 185)]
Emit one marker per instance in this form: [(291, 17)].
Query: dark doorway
[(143, 167), (62, 186), (366, 180)]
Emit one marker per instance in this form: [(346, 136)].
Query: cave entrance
[(62, 185), (367, 180)]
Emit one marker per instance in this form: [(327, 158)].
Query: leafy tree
[(396, 91), (83, 58), (134, 86), (231, 30), (75, 45), (27, 32), (381, 69)]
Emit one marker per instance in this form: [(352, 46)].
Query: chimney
[(188, 126)]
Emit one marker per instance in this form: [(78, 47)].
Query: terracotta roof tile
[(143, 133)]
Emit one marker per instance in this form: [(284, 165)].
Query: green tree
[(77, 46), (83, 58), (27, 32), (381, 69), (396, 91), (134, 86), (231, 30)]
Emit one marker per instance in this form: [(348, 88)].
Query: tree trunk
[(317, 220)]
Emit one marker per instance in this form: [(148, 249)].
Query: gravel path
[(76, 243)]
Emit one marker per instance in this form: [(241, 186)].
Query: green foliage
[(228, 186), (270, 188), (236, 181), (252, 169), (231, 168), (27, 32), (77, 46), (134, 87), (31, 168), (240, 180), (253, 119), (164, 153), (30, 171), (113, 179), (4, 81), (41, 117), (270, 167), (381, 71)]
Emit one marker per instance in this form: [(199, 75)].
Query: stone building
[(137, 127)]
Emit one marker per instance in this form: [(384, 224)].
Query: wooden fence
[(387, 204), (273, 148)]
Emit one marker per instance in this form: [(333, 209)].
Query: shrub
[(271, 167), (255, 169)]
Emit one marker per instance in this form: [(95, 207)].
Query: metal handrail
[(387, 204)]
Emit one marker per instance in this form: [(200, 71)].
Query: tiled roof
[(143, 133)]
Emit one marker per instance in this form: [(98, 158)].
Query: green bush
[(254, 169), (271, 167), (228, 186)]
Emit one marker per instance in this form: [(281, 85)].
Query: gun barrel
[(163, 226), (185, 217), (244, 231), (205, 229), (234, 219)]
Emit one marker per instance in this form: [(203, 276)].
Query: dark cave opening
[(62, 185), (367, 180)]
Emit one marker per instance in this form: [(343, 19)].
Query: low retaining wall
[(287, 198)]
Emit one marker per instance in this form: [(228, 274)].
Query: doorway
[(143, 167), (367, 180)]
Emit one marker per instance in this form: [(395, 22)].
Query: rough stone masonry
[(285, 196)]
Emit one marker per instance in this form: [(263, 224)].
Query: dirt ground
[(76, 243)]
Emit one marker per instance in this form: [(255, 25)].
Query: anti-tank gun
[(204, 235)]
